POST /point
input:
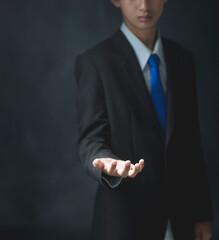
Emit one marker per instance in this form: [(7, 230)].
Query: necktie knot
[(154, 61)]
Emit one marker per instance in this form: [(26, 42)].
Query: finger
[(198, 236), (135, 170), (98, 164), (206, 236), (141, 164), (132, 167), (125, 171), (112, 168)]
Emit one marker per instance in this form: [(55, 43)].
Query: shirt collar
[(141, 50)]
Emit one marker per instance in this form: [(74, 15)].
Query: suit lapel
[(135, 78), (133, 73)]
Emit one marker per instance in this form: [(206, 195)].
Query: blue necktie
[(157, 92)]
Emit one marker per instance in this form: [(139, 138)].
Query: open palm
[(118, 168)]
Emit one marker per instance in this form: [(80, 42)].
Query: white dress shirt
[(143, 54)]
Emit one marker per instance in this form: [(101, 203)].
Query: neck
[(147, 36)]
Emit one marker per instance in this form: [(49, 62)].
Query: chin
[(147, 27)]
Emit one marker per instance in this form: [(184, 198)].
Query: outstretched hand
[(118, 168), (203, 231)]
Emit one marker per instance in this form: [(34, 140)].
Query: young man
[(138, 132)]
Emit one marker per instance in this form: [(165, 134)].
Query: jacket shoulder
[(99, 52), (176, 48), (98, 58)]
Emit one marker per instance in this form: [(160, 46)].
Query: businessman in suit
[(138, 132)]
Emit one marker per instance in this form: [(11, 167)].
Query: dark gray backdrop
[(44, 192)]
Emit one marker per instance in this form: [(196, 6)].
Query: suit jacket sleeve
[(93, 127)]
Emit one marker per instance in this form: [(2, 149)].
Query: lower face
[(140, 17)]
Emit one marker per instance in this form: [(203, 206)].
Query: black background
[(44, 192)]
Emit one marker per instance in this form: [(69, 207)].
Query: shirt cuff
[(111, 181)]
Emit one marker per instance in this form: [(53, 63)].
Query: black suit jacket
[(116, 118)]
